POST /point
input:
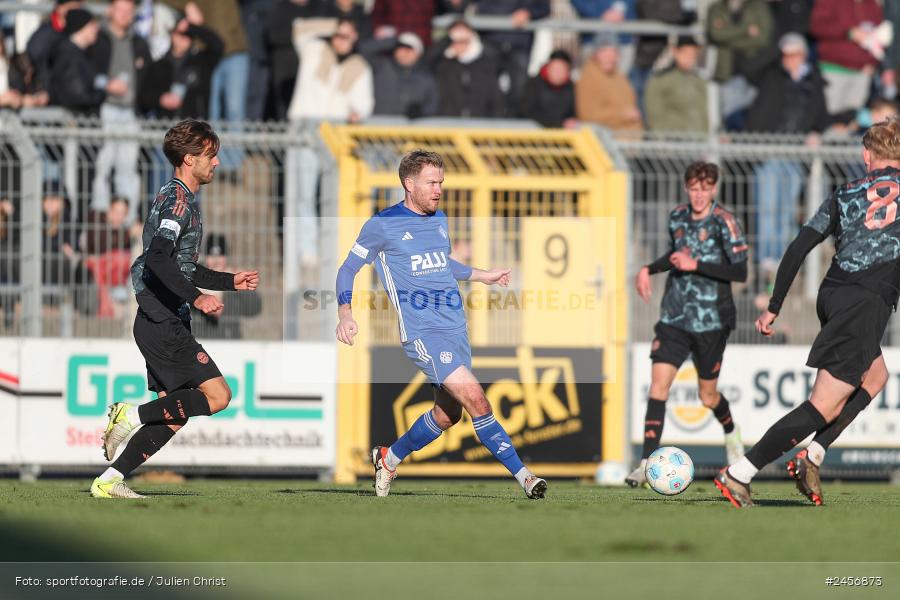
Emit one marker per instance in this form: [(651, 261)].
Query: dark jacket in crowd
[(892, 54), (101, 54), (72, 80), (40, 49), (193, 70), (783, 105), (406, 91), (743, 35), (471, 89), (649, 47), (511, 40), (547, 104), (23, 77), (792, 16)]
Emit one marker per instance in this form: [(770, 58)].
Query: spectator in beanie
[(74, 81), (403, 84), (549, 98), (42, 42)]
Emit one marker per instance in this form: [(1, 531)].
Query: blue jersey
[(411, 253)]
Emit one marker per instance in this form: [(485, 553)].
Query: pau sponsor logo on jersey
[(427, 261)]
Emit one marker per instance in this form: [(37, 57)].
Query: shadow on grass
[(363, 492), (648, 546), (148, 494)]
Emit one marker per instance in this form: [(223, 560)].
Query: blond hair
[(882, 139), (413, 163)]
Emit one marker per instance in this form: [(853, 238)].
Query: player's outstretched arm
[(223, 281), (491, 277), (790, 264)]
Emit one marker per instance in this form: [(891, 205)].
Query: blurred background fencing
[(86, 236), (57, 185)]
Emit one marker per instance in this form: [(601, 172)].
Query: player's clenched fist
[(764, 323), (208, 304), (346, 330), (246, 280)]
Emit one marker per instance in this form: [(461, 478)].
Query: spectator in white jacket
[(334, 81)]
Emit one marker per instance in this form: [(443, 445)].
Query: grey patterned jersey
[(175, 216), (862, 217), (692, 301)]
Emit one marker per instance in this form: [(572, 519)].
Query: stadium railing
[(48, 153), (246, 205)]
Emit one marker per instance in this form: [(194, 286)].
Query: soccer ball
[(669, 470)]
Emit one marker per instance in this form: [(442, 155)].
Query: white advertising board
[(61, 390), (762, 383)]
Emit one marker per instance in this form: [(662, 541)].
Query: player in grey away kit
[(855, 301), (707, 253), (165, 279)]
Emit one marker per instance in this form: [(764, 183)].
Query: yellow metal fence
[(549, 204)]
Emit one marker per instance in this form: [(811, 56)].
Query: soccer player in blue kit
[(410, 246)]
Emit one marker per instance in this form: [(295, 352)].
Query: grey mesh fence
[(96, 182), (772, 184)]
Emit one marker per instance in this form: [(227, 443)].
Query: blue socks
[(423, 432), (495, 439), (489, 432)]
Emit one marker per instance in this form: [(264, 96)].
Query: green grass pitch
[(578, 538)]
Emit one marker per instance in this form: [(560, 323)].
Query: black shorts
[(174, 358), (853, 322), (672, 346)]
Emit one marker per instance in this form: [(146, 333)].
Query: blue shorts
[(438, 355)]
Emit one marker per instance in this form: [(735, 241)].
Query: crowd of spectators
[(238, 60)]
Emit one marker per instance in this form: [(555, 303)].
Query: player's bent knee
[(446, 420), (876, 378), (709, 399), (219, 400)]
